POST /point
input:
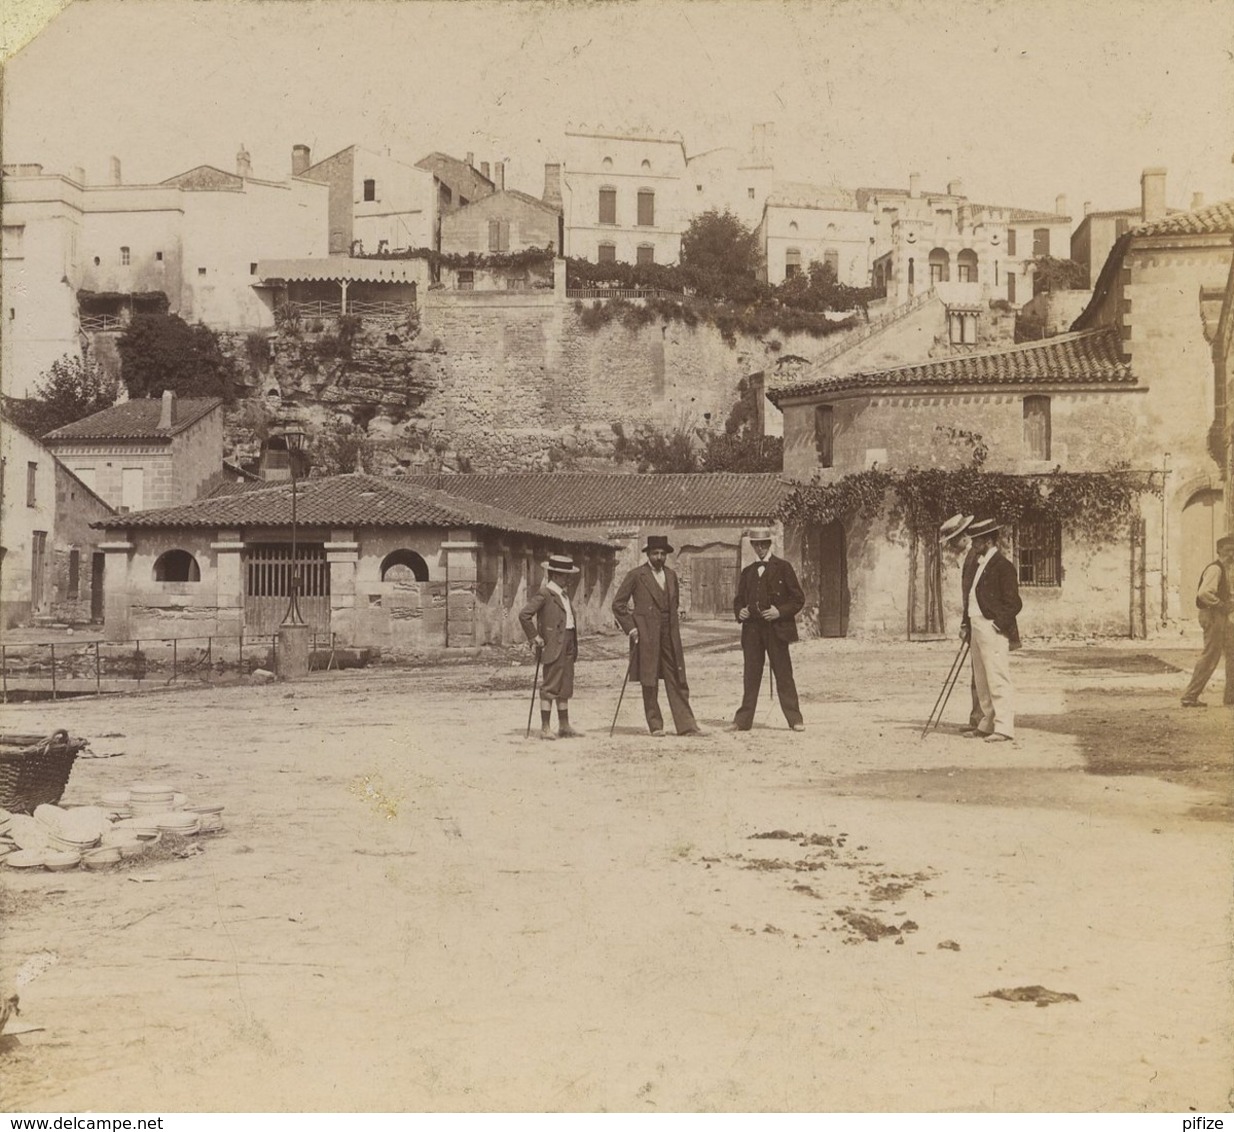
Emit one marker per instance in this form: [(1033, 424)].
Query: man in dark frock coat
[(769, 597), (655, 636)]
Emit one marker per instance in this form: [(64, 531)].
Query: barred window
[(1039, 549)]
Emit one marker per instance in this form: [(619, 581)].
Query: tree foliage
[(720, 258), (1053, 274), (160, 352), (341, 447), (71, 389)]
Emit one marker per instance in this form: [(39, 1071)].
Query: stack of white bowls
[(72, 830), (211, 814), (185, 824)]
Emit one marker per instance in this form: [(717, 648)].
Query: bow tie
[(761, 567)]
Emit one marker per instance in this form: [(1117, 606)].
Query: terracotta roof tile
[(1085, 358), (348, 501), (136, 420), (593, 497), (1211, 220)]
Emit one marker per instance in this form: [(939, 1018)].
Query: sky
[(1019, 99)]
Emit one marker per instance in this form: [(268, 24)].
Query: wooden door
[(832, 560), (97, 563), (269, 572), (713, 586)]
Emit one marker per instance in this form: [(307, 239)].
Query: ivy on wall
[(496, 261)]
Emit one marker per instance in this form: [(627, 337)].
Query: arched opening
[(176, 566), (940, 266), (966, 266), (404, 565)]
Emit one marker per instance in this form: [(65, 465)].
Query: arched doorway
[(404, 565), (1201, 526)]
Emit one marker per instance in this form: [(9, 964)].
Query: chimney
[(1197, 201), (167, 412), (471, 161), (552, 186), (484, 170), (115, 171), (1152, 195), (1088, 207), (955, 188), (301, 159), (1060, 205), (499, 176), (244, 167), (914, 184)]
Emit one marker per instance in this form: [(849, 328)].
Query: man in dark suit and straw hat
[(655, 635), (548, 621), (991, 603), (769, 597)]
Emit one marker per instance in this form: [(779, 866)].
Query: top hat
[(759, 534), (1226, 542), (658, 542), (984, 527), (561, 564), (954, 527)]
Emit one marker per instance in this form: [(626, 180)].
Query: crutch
[(534, 681), (944, 694), (621, 696)]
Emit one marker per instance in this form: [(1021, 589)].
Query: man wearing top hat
[(548, 621), (991, 602), (654, 630), (768, 600)]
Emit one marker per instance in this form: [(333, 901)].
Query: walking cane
[(621, 696), (534, 681), (944, 694)]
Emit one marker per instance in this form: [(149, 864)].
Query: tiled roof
[(593, 497), (1211, 220), (1085, 358), (136, 420), (352, 500), (799, 194)]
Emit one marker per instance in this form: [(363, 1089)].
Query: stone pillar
[(229, 583), (462, 572), (293, 653), (343, 297), (342, 554), (117, 599)]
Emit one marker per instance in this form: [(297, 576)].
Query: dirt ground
[(413, 907)]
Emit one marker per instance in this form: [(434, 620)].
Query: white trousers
[(991, 653)]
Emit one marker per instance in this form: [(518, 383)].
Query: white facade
[(194, 239), (621, 196), (394, 203), (804, 223), (27, 524)]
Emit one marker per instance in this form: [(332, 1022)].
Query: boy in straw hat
[(548, 621), (654, 629), (769, 597)]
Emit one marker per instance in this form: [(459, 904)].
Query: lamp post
[(293, 651)]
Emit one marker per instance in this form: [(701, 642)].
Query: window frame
[(645, 255), (32, 483), (603, 247), (645, 196), (368, 189), (1041, 242), (609, 193), (1039, 552)]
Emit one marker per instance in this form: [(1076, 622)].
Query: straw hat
[(954, 527), (984, 527), (759, 534), (561, 564)]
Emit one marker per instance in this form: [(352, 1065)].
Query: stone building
[(80, 257), (502, 222), (50, 563), (381, 563), (704, 515), (804, 223), (377, 203), (146, 452)]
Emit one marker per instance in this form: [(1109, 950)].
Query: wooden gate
[(268, 574), (713, 586)]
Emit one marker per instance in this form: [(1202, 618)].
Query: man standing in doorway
[(1212, 599), (548, 622), (654, 630), (991, 602), (768, 600)]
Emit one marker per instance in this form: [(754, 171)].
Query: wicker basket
[(35, 769)]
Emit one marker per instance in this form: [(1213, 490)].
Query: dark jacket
[(779, 587), (545, 614), (998, 595), (654, 608)]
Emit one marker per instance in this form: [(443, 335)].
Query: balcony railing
[(621, 293), (93, 323)]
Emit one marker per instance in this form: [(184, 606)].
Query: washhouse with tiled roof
[(1133, 384), (147, 452), (374, 562), (705, 516)]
